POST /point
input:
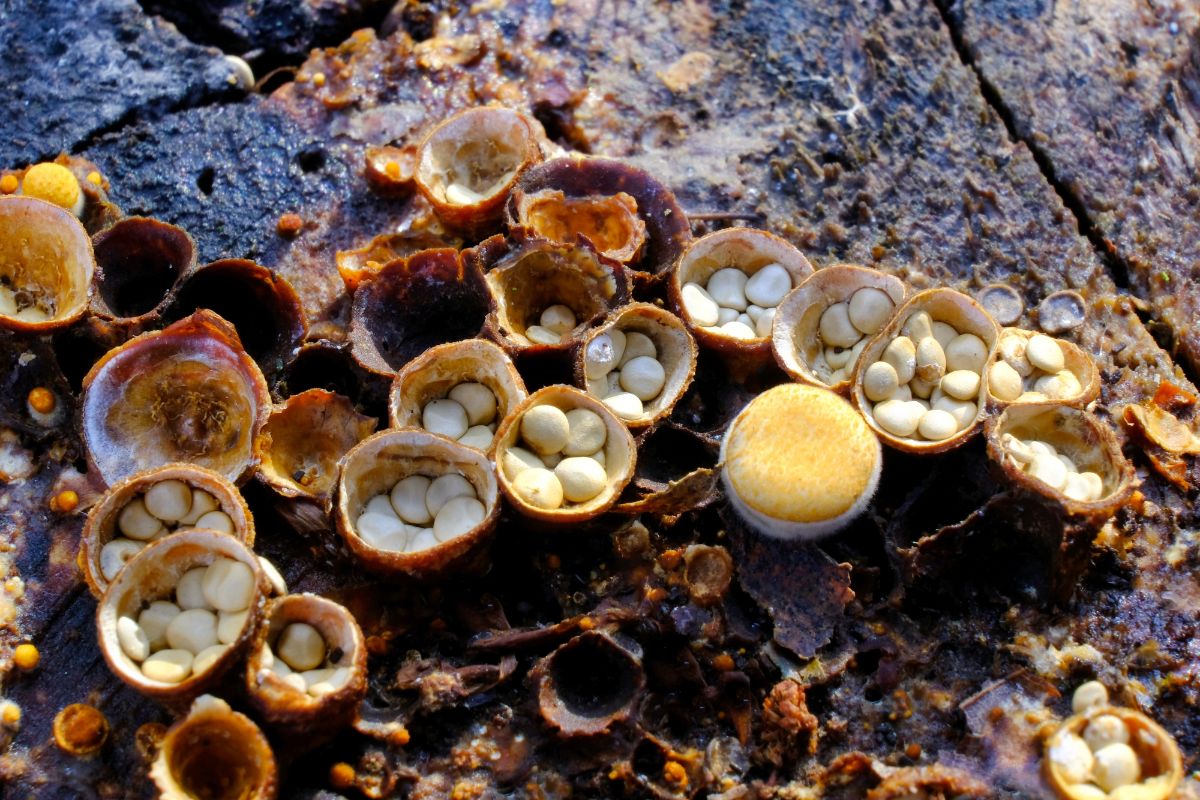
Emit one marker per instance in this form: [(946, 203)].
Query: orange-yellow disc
[(801, 455), (53, 183)]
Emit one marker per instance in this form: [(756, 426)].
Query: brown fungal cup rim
[(674, 343), (100, 526), (1118, 473), (526, 276), (354, 424), (732, 247), (43, 222), (1077, 360), (965, 315), (442, 367), (667, 230), (204, 335), (799, 314), (380, 292), (152, 575), (1147, 734), (156, 234), (619, 448), (219, 726), (412, 452), (281, 703), (571, 722), (466, 124)]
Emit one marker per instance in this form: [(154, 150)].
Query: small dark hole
[(873, 694), (556, 38), (311, 159), (205, 182), (648, 758)]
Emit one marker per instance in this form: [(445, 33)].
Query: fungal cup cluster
[(580, 274)]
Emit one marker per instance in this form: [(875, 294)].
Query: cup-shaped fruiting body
[(1003, 302), (139, 260), (921, 383), (468, 164), (214, 752), (727, 287), (624, 212), (360, 263), (413, 303), (799, 462), (547, 294), (150, 505), (416, 503), (460, 390), (588, 685), (1029, 367), (708, 572), (181, 613), (188, 393), (390, 170), (307, 668), (823, 324), (299, 447), (260, 304), (640, 361), (46, 265), (563, 456), (1064, 454), (1112, 752)]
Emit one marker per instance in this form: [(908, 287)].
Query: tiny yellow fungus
[(94, 178), (65, 501), (9, 184), (289, 225), (341, 775), (26, 656), (55, 184), (11, 715), (674, 773), (42, 400), (318, 79)]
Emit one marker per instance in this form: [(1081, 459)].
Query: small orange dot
[(11, 714), (723, 662), (913, 750), (94, 178), (289, 225), (42, 400), (400, 737), (26, 656), (586, 624), (318, 79), (673, 772), (341, 775), (393, 170), (655, 595), (9, 184), (670, 559), (65, 501)]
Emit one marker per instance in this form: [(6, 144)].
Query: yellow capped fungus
[(55, 184)]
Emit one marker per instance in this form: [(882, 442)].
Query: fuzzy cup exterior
[(799, 462)]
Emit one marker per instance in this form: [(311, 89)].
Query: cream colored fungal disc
[(800, 462)]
